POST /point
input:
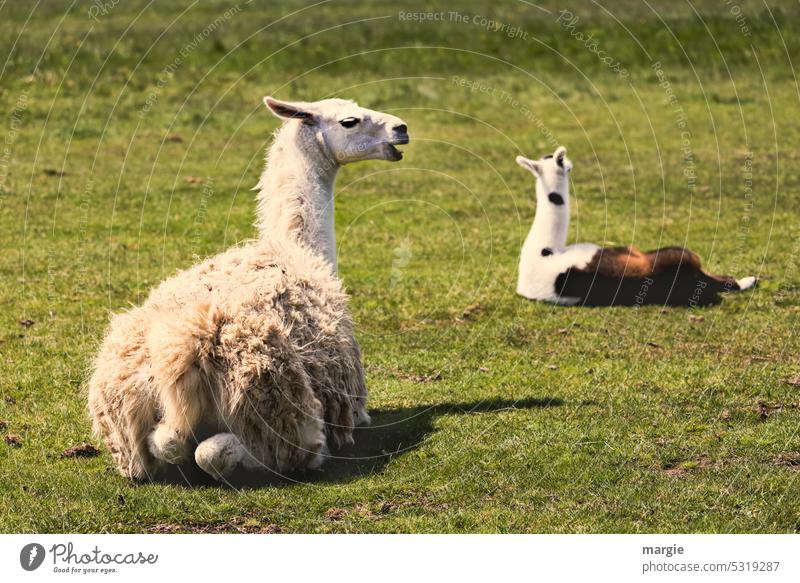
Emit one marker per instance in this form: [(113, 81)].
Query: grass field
[(133, 132)]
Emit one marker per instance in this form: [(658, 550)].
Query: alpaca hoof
[(166, 445), (219, 455), (746, 283)]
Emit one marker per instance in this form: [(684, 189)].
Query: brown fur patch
[(620, 262), (673, 258)]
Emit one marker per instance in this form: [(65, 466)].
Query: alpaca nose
[(400, 129)]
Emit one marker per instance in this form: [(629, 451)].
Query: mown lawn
[(131, 141)]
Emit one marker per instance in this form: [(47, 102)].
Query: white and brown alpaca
[(249, 357), (590, 275)]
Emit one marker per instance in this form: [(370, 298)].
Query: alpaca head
[(552, 176), (347, 132)]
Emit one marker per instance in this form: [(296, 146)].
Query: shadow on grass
[(393, 432)]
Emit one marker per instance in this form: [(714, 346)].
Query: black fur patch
[(546, 252), (561, 281), (555, 198), (547, 157)]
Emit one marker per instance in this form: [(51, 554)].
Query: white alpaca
[(249, 357), (584, 273)]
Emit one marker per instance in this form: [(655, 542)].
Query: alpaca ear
[(559, 155), (288, 109), (530, 165)]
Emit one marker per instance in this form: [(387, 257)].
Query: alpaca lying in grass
[(590, 275), (250, 357)]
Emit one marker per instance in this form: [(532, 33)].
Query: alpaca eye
[(350, 122)]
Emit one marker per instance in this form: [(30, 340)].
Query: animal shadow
[(393, 432)]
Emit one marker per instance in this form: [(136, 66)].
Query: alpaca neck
[(551, 223), (295, 201)]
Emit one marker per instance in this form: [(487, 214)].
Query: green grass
[(541, 418)]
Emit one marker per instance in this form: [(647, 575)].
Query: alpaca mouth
[(393, 152)]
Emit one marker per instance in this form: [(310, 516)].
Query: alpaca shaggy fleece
[(250, 356), (256, 341)]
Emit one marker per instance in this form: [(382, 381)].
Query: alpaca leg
[(180, 346), (726, 283), (172, 439), (183, 404), (219, 455), (168, 445)]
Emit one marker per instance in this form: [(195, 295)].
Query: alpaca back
[(277, 293)]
